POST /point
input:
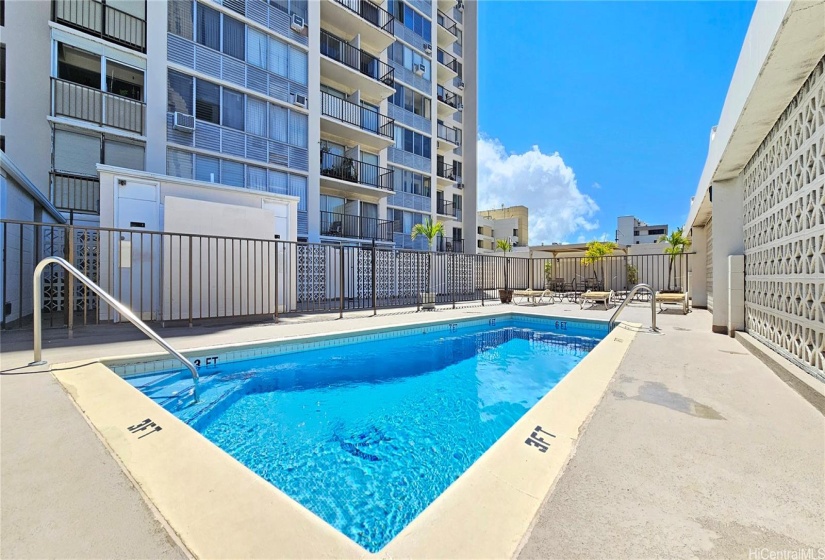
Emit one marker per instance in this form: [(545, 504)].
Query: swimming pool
[(367, 431)]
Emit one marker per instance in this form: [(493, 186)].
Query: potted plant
[(548, 275), (677, 243), (596, 251), (430, 230), (505, 294)]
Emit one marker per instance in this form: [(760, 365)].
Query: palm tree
[(677, 243), (504, 245), (429, 230), (596, 251)]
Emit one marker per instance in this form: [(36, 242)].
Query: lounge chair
[(678, 299), (595, 297), (534, 296)]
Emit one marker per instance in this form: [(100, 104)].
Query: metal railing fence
[(369, 65), (74, 100), (356, 115), (102, 20), (176, 277)]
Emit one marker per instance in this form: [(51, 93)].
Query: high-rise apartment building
[(364, 111)]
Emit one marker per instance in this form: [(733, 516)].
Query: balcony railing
[(101, 20), (374, 14), (446, 245), (447, 22), (335, 224), (356, 115), (444, 208), (446, 96), (77, 193), (447, 60), (89, 104), (449, 134), (361, 61), (445, 171), (354, 171)]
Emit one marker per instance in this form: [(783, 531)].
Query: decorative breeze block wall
[(784, 231)]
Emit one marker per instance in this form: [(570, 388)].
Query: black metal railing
[(449, 245), (357, 59), (356, 115), (89, 104), (447, 22), (102, 20), (355, 171), (168, 276), (447, 60), (335, 224), (76, 193), (445, 171), (372, 13), (444, 208), (446, 96), (449, 134)]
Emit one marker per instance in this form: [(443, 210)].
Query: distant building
[(504, 223), (632, 231)]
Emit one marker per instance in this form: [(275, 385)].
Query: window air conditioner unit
[(298, 23), (184, 122), (460, 6), (460, 85), (460, 107), (428, 48), (459, 186), (418, 69), (299, 100)]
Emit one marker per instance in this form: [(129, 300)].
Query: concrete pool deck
[(701, 485)]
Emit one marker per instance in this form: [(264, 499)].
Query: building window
[(209, 27), (411, 100), (179, 93), (412, 142), (411, 19), (515, 233), (124, 81), (77, 66), (207, 169), (207, 101), (233, 38), (256, 48), (233, 110), (403, 220), (457, 201), (410, 182), (409, 58), (480, 232), (656, 232), (179, 18)]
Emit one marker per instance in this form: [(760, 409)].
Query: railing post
[(277, 294), (190, 281), (374, 285), (341, 284), (68, 298), (483, 278)]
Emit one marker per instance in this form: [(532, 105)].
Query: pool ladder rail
[(108, 298), (637, 288)]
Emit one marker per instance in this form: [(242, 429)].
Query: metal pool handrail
[(636, 288), (105, 296)]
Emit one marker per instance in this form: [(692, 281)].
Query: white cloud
[(542, 182)]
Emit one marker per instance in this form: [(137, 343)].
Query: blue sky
[(625, 92)]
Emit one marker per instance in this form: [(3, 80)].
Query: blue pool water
[(367, 435)]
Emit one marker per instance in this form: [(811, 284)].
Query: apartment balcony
[(334, 224), (92, 105), (345, 64), (447, 102), (446, 245), (449, 138), (447, 67), (349, 175), (447, 5), (444, 208), (101, 20), (349, 120), (75, 193), (360, 17), (447, 29), (446, 174)]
